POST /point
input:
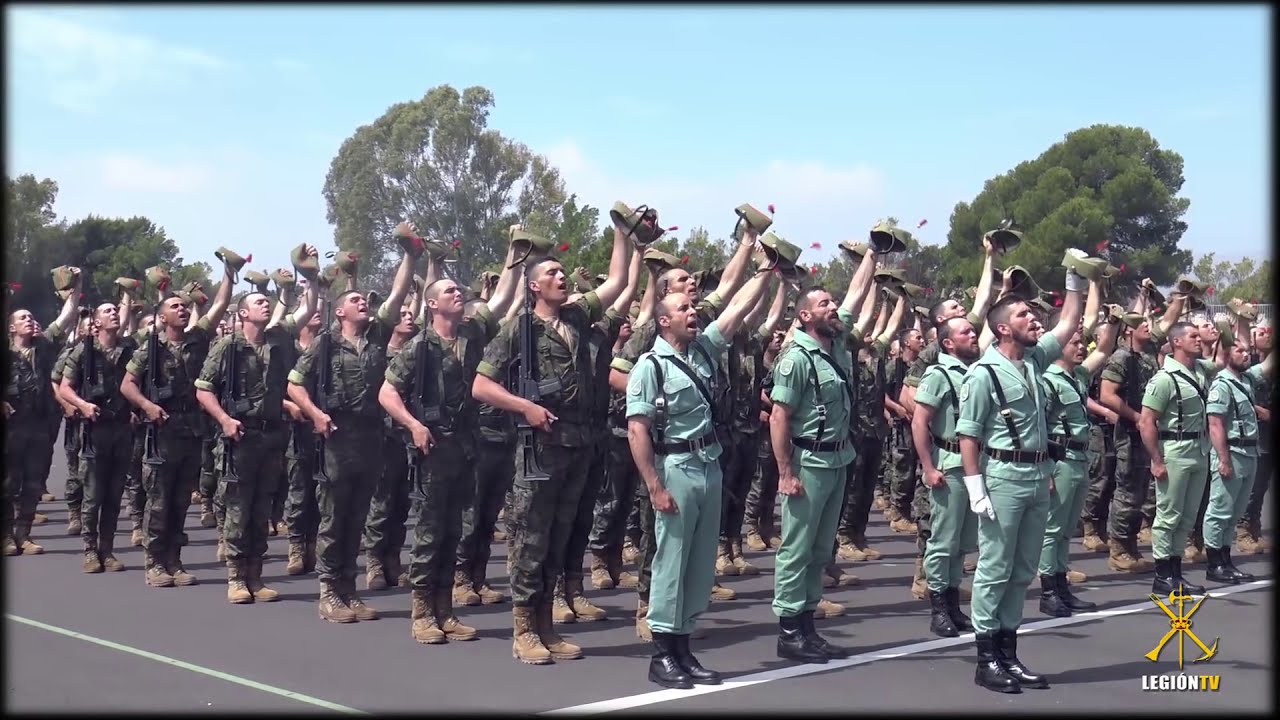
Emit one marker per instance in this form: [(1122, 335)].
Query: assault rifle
[(320, 396), (92, 392), (231, 404), (522, 380), (152, 389), (424, 404)]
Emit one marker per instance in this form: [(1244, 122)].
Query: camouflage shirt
[(748, 373), (28, 388), (260, 377), (108, 367), (1131, 371), (180, 365), (355, 372), (872, 379)]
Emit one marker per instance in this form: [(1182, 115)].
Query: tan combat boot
[(849, 551), (350, 598), (1144, 535), (196, 499), (754, 540), (1194, 552), (207, 518), (629, 552), (526, 646), (375, 577), (22, 538), (173, 565), (237, 589), (919, 587), (903, 525), (261, 592), (724, 562), (1121, 558), (107, 551), (970, 563), (498, 535), (561, 611), (138, 538), (1092, 541), (600, 577), (488, 596), (744, 568), (1075, 577), (582, 607), (39, 519), (74, 524), (866, 549), (425, 629), (222, 548), (879, 503), (775, 539), (464, 592), (642, 624), (449, 623), (10, 547), (295, 566), (1245, 542), (559, 648), (92, 563), (827, 609), (309, 555), (331, 606), (155, 573), (621, 578), (720, 592), (891, 514), (47, 496)]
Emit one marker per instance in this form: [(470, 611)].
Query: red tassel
[(564, 247), (1210, 290), (816, 246), (922, 223), (771, 210), (1121, 267), (813, 270), (248, 258), (81, 296), (456, 244), (928, 291), (673, 228), (15, 286), (1102, 246)]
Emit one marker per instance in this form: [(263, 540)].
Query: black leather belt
[(948, 445), (1018, 456), (1077, 445), (683, 446), (823, 446), (1174, 436), (1243, 442), (260, 424)]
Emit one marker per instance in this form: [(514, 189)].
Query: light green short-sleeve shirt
[(939, 389), (795, 386), (1178, 395), (1066, 414), (688, 414), (1231, 396)]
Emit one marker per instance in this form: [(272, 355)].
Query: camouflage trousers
[(301, 513), (617, 499), (542, 517), (343, 500), (495, 471), (738, 468), (104, 479), (258, 458), (208, 474), (1133, 484), (1102, 476), (904, 478), (168, 489), (761, 506), (593, 488), (384, 529), (922, 513), (135, 487), (1252, 517), (445, 485), (886, 467), (27, 461), (859, 491), (71, 445)]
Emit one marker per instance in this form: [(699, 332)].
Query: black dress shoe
[(1068, 598), (793, 645), (990, 674), (1231, 565), (1007, 654), (663, 667), (1051, 603), (1218, 571), (816, 641), (690, 665), (1187, 585), (1164, 582)]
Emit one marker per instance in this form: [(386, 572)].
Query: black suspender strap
[(1057, 400), (817, 399), (1005, 410), (659, 405), (955, 400), (1173, 374)]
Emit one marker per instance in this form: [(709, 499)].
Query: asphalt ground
[(77, 643)]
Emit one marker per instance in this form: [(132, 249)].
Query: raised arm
[(622, 305), (504, 295), (1106, 344), (735, 271), (982, 297), (731, 319), (613, 285), (860, 283)]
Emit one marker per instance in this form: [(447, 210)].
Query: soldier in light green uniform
[(809, 426), (953, 529), (1233, 460), (670, 416), (1004, 447), (1174, 432), (1067, 382)]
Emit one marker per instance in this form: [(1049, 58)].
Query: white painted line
[(658, 696), (188, 666)]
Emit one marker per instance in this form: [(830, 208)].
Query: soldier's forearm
[(969, 455), (642, 453)]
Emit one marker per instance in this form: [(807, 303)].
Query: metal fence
[(1266, 312)]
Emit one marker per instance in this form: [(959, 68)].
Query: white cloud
[(81, 65), (814, 202), (134, 173)]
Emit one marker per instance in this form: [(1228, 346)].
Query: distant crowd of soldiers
[(571, 408)]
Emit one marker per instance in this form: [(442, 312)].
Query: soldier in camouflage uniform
[(762, 531), (74, 486), (101, 404), (29, 410), (255, 426), (570, 603), (182, 352), (1102, 470), (1124, 379), (1249, 539), (901, 465), (301, 513), (351, 422), (542, 509)]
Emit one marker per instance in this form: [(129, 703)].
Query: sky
[(219, 123)]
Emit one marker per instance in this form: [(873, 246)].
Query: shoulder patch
[(1215, 395), (786, 367), (964, 392)]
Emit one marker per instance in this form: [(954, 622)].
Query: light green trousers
[(1177, 503), (1070, 485), (808, 540), (684, 565), (954, 532), (1227, 498), (1008, 548)]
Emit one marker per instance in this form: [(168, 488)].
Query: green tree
[(1244, 279), (1109, 190), (435, 162)]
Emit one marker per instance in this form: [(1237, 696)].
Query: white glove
[(1075, 281), (979, 502)]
